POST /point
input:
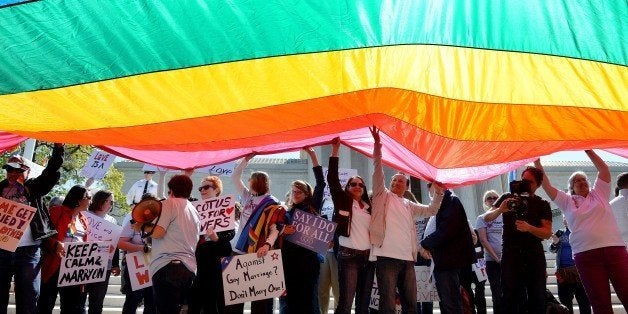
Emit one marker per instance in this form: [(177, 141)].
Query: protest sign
[(425, 284), (84, 262), (103, 230), (312, 232), (224, 169), (480, 269), (343, 175), (217, 213), (97, 165), (137, 267), (14, 219), (374, 302), (249, 278)]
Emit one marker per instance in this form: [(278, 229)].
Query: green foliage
[(74, 159)]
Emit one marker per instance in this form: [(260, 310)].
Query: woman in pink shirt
[(599, 251)]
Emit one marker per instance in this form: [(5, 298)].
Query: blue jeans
[(448, 287), (25, 266), (494, 273), (396, 275), (355, 279), (171, 287)]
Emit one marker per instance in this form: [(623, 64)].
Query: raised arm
[(49, 177), (547, 185), (602, 169), (317, 199), (420, 210), (378, 172), (332, 173), (236, 178)]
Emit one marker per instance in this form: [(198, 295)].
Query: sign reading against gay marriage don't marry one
[(137, 268), (312, 232), (217, 213), (14, 218), (84, 262), (97, 165), (249, 278)]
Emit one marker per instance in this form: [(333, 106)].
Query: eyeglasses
[(491, 198), (205, 187), (354, 184)]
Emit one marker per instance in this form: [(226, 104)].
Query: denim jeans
[(96, 292), (448, 287), (355, 279), (25, 266), (171, 287), (494, 273), (327, 279), (566, 292), (396, 275), (596, 267)]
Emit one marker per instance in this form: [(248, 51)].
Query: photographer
[(527, 221), (569, 283)]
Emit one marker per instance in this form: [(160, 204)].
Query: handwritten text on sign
[(137, 268), (84, 262), (312, 232), (14, 219), (97, 165), (249, 278), (217, 213), (225, 169), (103, 230)]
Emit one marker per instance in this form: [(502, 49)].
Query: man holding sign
[(24, 263), (175, 235)]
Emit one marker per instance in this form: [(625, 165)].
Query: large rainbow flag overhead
[(462, 90)]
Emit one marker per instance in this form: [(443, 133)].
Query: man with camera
[(527, 222)]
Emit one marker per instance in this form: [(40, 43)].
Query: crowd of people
[(381, 236)]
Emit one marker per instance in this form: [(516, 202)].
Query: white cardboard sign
[(224, 169), (249, 278), (137, 267), (14, 219), (103, 230), (97, 165), (84, 262), (216, 212)]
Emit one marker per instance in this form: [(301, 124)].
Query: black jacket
[(451, 244), (36, 189)]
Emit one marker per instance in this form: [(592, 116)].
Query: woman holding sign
[(207, 293), (352, 213), (301, 265), (72, 226), (261, 218), (102, 203)]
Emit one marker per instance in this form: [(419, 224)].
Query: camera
[(519, 198)]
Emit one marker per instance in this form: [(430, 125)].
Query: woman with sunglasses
[(207, 294), (72, 226), (490, 235), (101, 205), (352, 213), (301, 265)]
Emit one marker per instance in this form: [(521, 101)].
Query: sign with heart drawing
[(217, 213)]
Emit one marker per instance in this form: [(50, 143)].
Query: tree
[(74, 159)]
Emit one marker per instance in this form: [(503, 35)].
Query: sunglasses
[(13, 170), (87, 197), (205, 187), (354, 184), (491, 198)]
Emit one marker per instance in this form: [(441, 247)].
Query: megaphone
[(146, 211)]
